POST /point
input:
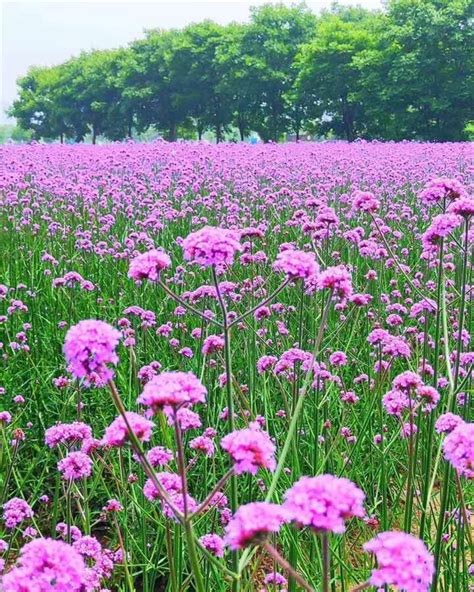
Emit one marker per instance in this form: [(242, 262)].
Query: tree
[(269, 45), (428, 48), (329, 77)]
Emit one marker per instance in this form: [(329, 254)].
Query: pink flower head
[(403, 561), (15, 511), (252, 523), (89, 346), (463, 206), (250, 449), (67, 433), (458, 448), (173, 389), (76, 465), (365, 201), (147, 266), (338, 358), (49, 566), (159, 456), (324, 502), (337, 279), (447, 422), (116, 434), (438, 189), (296, 264), (211, 246), (213, 543)]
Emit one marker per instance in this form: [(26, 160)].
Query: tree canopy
[(402, 73)]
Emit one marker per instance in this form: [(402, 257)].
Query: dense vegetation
[(402, 73), (321, 342)]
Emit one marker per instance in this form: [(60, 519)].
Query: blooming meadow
[(236, 367)]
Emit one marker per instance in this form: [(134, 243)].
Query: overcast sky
[(47, 33)]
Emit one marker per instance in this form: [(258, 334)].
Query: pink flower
[(147, 266), (250, 449), (173, 389), (252, 523), (337, 279), (76, 465), (116, 434), (89, 346), (204, 444), (211, 246), (463, 206), (15, 511), (296, 264), (324, 502), (338, 358), (49, 566), (213, 543), (159, 456), (365, 201), (403, 561), (458, 448), (437, 189), (67, 433), (447, 423)]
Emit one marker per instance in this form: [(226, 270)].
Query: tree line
[(401, 73)]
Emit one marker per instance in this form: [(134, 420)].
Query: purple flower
[(89, 346), (213, 543), (252, 523), (211, 246), (447, 422), (403, 561), (147, 266), (116, 434), (173, 389), (76, 465), (49, 566), (337, 279), (15, 511), (250, 449), (324, 502), (458, 448), (296, 264), (365, 201)]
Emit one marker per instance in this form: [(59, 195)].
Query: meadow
[(236, 367)]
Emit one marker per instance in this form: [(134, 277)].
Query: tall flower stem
[(246, 555), (273, 295), (282, 562), (230, 407), (187, 526), (326, 563), (188, 306)]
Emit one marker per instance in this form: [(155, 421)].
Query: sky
[(47, 33)]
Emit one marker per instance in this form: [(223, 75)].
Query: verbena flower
[(76, 465), (89, 346), (211, 246), (116, 434), (252, 523), (458, 448), (147, 266), (172, 389), (403, 561), (250, 449), (213, 543), (47, 565), (15, 511), (324, 502), (296, 264)]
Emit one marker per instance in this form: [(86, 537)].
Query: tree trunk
[(242, 133), (347, 120), (94, 134), (173, 133), (61, 138), (218, 133), (129, 131), (297, 134)]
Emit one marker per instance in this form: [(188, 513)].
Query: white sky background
[(46, 33)]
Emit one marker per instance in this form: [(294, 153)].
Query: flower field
[(236, 367)]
